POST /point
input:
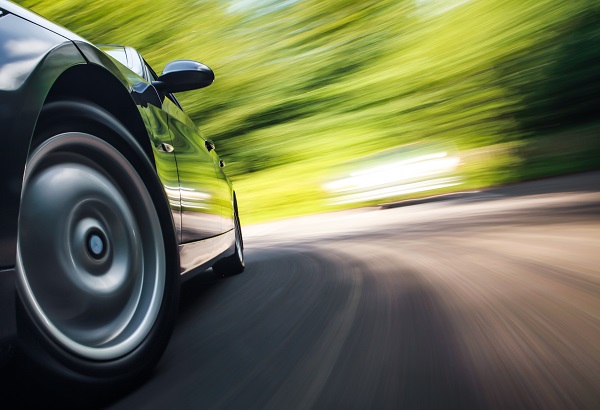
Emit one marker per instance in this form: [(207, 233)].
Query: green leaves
[(301, 81)]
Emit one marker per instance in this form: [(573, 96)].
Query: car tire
[(233, 264), (96, 257)]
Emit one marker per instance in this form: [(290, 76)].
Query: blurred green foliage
[(303, 85)]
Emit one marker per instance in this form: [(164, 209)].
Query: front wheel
[(98, 297)]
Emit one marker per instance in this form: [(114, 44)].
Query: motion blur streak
[(487, 301), (304, 85)]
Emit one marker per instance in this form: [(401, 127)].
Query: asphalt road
[(488, 300)]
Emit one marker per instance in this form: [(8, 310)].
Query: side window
[(118, 53), (136, 62), (151, 73)]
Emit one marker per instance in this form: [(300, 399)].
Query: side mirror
[(184, 75)]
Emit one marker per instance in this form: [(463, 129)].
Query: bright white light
[(423, 173), (395, 173), (399, 190)]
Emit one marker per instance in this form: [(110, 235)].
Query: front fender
[(31, 59)]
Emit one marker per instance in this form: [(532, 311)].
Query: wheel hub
[(97, 244)]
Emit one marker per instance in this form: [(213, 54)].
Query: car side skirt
[(195, 257)]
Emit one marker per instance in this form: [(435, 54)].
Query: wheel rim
[(90, 253)]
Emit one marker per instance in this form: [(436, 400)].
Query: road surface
[(490, 300)]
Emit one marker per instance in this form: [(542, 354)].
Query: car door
[(193, 186), (200, 187), (202, 190)]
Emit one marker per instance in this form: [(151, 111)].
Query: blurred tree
[(297, 79)]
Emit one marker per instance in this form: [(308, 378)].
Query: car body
[(110, 196)]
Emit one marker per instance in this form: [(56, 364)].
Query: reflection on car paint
[(198, 183), (22, 50)]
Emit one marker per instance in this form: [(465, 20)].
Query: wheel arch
[(95, 84)]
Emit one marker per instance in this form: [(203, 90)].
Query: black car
[(110, 197)]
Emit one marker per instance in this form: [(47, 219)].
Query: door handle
[(164, 147), (209, 145)]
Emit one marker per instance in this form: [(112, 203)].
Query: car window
[(129, 57), (135, 62), (116, 52), (152, 73)]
